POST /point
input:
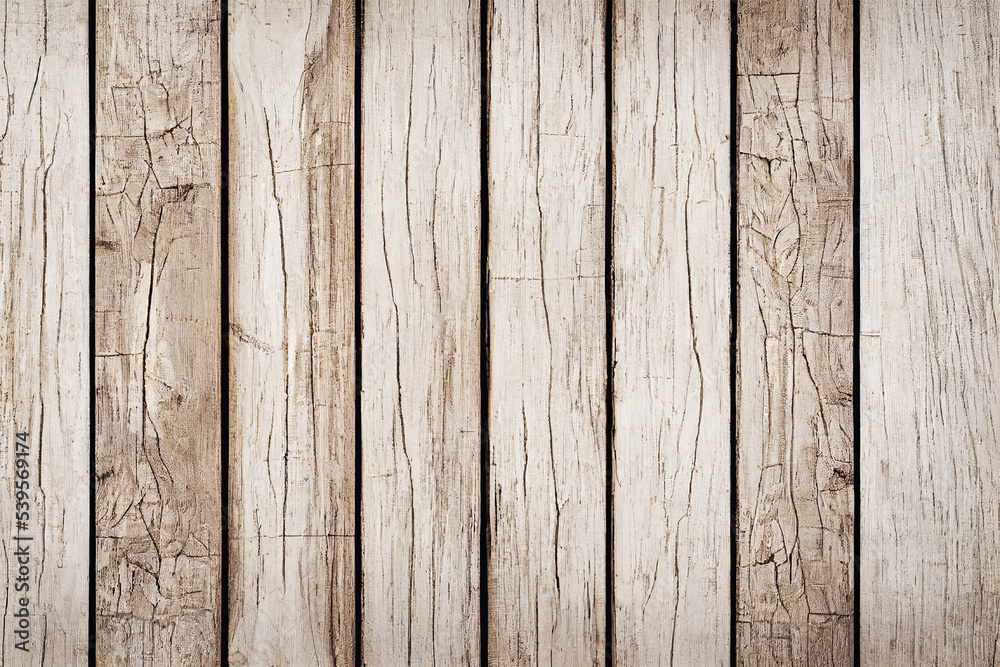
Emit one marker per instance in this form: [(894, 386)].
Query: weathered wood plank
[(291, 249), (420, 304), (157, 257), (930, 347), (795, 591), (44, 340), (671, 341), (548, 366)]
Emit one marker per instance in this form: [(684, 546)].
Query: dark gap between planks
[(359, 22), (92, 295), (609, 314), (485, 10), (856, 288), (224, 328), (734, 314)]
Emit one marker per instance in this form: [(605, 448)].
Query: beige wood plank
[(795, 591), (671, 333), (291, 249), (44, 339), (157, 257), (548, 366), (420, 300), (930, 346)]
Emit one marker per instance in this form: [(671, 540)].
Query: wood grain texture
[(548, 368), (795, 593), (930, 350), (671, 332), (157, 319), (420, 304), (44, 339), (291, 247)]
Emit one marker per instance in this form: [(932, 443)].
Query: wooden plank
[(671, 323), (420, 302), (44, 299), (291, 250), (795, 590), (930, 350), (548, 367), (157, 319)]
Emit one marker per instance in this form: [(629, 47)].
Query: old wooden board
[(157, 338), (547, 333), (449, 396), (44, 339), (291, 332), (420, 300), (930, 347), (795, 443), (671, 332)]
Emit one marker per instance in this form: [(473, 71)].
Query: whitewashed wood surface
[(672, 325), (930, 343), (291, 333), (44, 339), (420, 300), (485, 414), (548, 369)]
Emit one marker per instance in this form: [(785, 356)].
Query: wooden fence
[(503, 332)]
